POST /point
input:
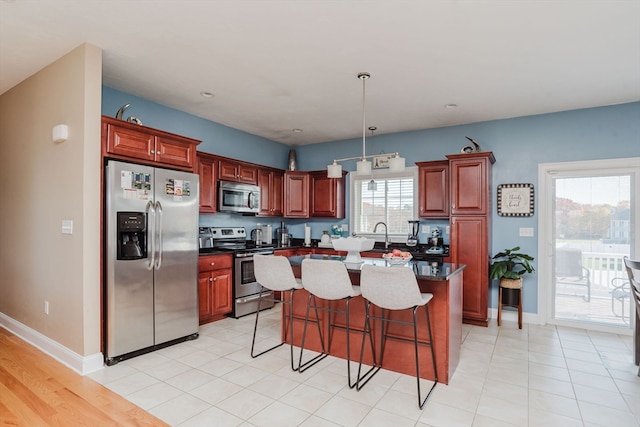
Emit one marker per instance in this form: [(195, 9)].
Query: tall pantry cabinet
[(470, 219)]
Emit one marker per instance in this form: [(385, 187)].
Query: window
[(394, 202)]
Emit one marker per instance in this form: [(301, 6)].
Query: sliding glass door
[(591, 217)]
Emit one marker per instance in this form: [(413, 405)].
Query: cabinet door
[(206, 171), (222, 295), (296, 190), (205, 297), (271, 185), (133, 143), (277, 193), (470, 183), (247, 174), (264, 182), (469, 246), (433, 189), (327, 196), (174, 152), (227, 171)]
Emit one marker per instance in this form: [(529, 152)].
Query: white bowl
[(397, 261), (357, 244), (353, 246)]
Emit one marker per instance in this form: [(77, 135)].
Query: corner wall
[(44, 183)]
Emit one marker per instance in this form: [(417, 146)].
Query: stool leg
[(520, 310), (499, 305), (306, 365), (422, 402), (255, 329), (362, 380)]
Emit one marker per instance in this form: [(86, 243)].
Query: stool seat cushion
[(327, 279), (275, 273)]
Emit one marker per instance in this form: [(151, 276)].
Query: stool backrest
[(274, 272), (393, 288), (327, 279)]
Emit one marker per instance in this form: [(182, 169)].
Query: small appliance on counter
[(435, 243), (413, 238), (282, 235), (267, 234), (256, 236)]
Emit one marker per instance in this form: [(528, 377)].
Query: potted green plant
[(509, 266)]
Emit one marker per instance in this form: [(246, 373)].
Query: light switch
[(426, 229), (526, 231), (67, 226)]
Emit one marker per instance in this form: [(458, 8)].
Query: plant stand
[(510, 295)]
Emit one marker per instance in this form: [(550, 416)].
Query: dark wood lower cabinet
[(469, 247), (215, 287)]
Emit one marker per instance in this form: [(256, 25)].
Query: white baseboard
[(81, 364)]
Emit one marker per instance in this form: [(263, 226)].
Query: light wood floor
[(36, 390)]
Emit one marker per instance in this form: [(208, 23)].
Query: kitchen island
[(443, 280)]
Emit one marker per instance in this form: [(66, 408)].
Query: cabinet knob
[(153, 152), (213, 263), (211, 279), (214, 279)]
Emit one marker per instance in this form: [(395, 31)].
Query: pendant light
[(363, 166), (372, 185)]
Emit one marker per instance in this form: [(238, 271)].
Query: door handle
[(150, 211), (159, 235)]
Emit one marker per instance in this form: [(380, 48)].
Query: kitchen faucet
[(386, 233)]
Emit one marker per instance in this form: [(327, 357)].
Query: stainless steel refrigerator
[(151, 253)]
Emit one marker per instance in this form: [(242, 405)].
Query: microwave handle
[(251, 200)]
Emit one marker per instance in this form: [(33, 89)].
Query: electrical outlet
[(448, 230), (426, 229), (46, 307)]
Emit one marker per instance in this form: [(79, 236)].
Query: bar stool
[(394, 288), (275, 273), (513, 285), (327, 280)]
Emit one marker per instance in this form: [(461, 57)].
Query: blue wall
[(519, 145)]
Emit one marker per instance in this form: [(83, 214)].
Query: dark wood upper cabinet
[(130, 141), (296, 190), (271, 183), (236, 171), (207, 171), (433, 189), (326, 195)]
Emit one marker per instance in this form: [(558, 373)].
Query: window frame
[(411, 171)]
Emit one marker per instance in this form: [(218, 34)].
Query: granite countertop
[(423, 269)]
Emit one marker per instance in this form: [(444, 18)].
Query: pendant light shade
[(363, 167), (334, 170), (396, 163)]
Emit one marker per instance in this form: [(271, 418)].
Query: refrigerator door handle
[(159, 234), (151, 212)]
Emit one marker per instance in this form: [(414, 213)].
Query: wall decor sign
[(515, 199)]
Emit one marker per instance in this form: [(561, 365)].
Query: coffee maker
[(435, 243), (413, 238)]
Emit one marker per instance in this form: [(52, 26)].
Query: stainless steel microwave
[(237, 197)]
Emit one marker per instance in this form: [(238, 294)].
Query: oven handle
[(247, 255), (251, 298)]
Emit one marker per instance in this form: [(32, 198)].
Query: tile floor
[(537, 376)]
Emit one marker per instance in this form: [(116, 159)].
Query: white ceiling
[(276, 65)]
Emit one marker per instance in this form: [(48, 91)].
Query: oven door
[(247, 289)]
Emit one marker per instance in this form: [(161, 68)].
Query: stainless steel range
[(246, 289)]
